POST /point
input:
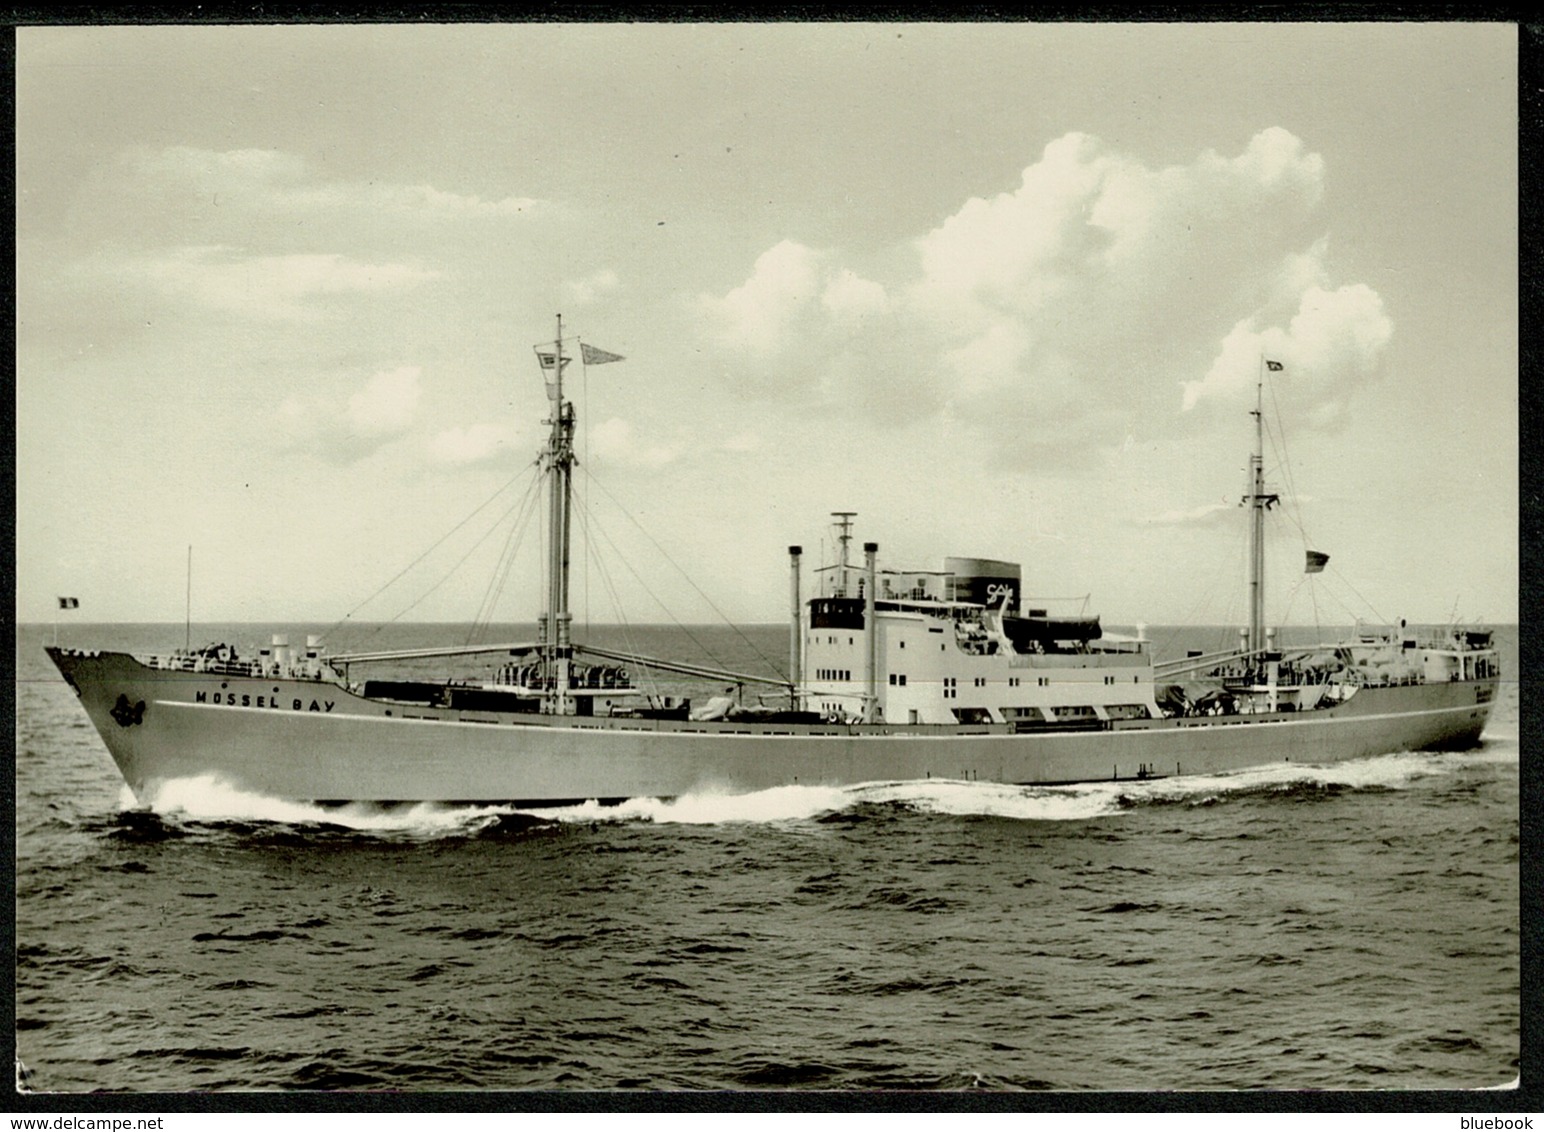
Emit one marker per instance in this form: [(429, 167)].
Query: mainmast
[(558, 463), (1259, 501)]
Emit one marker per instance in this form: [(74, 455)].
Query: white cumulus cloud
[(343, 428), (474, 444), (266, 286), (269, 181), (850, 298), (614, 440), (1209, 514), (759, 314), (1097, 299), (594, 287), (385, 406), (1332, 344)]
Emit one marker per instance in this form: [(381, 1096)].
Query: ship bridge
[(950, 646)]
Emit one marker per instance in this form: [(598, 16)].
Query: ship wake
[(208, 800), (1079, 802)]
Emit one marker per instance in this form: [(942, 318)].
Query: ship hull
[(316, 741)]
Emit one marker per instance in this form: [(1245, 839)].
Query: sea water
[(1342, 927)]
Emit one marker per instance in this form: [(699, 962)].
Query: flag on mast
[(69, 603), (552, 369), (1317, 561), (594, 357), (1274, 367)]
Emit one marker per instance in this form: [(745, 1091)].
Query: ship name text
[(233, 699)]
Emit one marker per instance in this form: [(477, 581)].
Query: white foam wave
[(1393, 771), (781, 803), (1081, 802), (210, 798), (1500, 737), (994, 799)]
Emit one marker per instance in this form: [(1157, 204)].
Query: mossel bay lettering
[(247, 700)]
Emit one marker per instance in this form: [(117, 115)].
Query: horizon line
[(739, 624)]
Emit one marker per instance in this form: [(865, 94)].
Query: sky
[(1001, 289)]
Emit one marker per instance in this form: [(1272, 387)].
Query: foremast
[(557, 461)]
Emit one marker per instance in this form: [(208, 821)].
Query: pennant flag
[(1274, 367), (594, 357), (549, 359), (1316, 562), (69, 603)]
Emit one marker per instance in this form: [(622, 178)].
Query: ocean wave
[(1080, 802), (206, 799), (778, 804)]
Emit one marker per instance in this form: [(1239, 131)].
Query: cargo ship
[(893, 675)]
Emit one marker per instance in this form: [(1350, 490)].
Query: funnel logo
[(128, 714)]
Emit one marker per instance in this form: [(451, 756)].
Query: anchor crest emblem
[(128, 714)]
